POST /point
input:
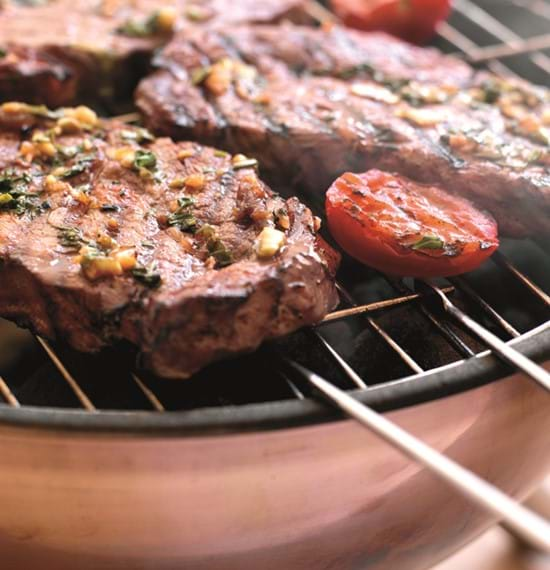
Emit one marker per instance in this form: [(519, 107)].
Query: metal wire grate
[(393, 335)]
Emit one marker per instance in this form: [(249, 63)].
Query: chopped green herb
[(429, 242), (490, 91), (182, 217), (354, 71), (221, 153), (145, 159), (12, 180), (139, 135), (71, 238), (206, 232), (185, 221), (214, 245), (185, 201), (14, 195), (147, 276), (218, 250), (80, 166), (140, 28), (3, 52)]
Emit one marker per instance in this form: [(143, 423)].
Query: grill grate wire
[(500, 48)]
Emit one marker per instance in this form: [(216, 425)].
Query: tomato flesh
[(402, 227), (412, 20)]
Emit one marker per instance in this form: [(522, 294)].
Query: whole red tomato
[(402, 227), (412, 20)]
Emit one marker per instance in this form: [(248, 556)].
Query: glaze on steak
[(62, 52), (108, 234), (311, 104)]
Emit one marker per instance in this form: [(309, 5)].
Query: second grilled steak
[(107, 234), (312, 104)]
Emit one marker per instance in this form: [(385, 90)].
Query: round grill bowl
[(277, 485)]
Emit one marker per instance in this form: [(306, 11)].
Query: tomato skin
[(384, 221), (412, 20)]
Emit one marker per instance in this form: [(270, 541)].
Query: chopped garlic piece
[(195, 181), (69, 125), (52, 185), (185, 153), (125, 155), (166, 18), (375, 92), (95, 267), (422, 117), (270, 242), (13, 107), (84, 115), (127, 259)]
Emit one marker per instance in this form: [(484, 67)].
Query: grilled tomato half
[(401, 227), (412, 20)]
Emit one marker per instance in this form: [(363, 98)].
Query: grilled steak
[(322, 102), (108, 234), (59, 52)]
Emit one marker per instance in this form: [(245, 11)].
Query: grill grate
[(393, 335)]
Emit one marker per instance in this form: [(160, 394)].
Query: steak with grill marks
[(107, 234), (61, 52), (311, 104)]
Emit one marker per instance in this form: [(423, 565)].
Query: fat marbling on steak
[(109, 234), (311, 104), (61, 52)]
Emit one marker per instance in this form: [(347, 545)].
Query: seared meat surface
[(322, 102), (61, 52), (109, 234)]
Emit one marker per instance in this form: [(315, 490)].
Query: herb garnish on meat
[(145, 159), (14, 195), (159, 22), (182, 217), (215, 246), (70, 238), (147, 276), (80, 166)]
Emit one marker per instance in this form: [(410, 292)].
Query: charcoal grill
[(238, 467)]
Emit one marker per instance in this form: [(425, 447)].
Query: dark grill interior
[(382, 343)]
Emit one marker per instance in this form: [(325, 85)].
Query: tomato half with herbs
[(401, 227), (412, 20)]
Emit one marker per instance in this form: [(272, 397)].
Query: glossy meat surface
[(323, 102), (107, 234)]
